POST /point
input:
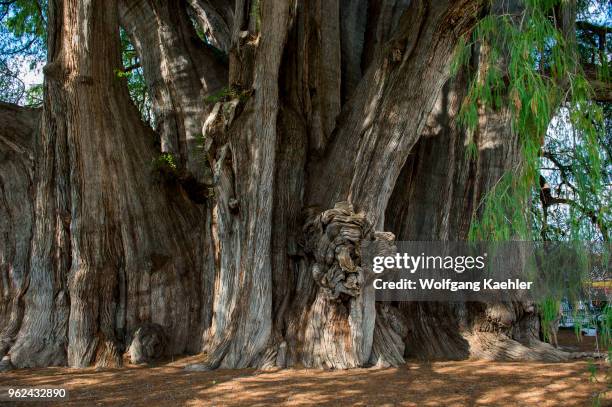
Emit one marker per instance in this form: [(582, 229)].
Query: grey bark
[(19, 127), (148, 344), (103, 260), (364, 160), (216, 19), (180, 72), (338, 130), (424, 206)]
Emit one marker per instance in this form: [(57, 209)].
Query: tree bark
[(424, 207), (180, 72), (111, 248), (241, 329), (380, 124), (216, 20), (19, 127), (338, 124)]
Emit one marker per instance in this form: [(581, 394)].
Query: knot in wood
[(333, 239)]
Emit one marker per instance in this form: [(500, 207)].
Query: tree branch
[(149, 23), (563, 169), (594, 28), (39, 10), (131, 67), (163, 36), (566, 16), (602, 90), (216, 18), (547, 200)]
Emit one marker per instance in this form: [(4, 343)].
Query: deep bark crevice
[(18, 130), (104, 260)]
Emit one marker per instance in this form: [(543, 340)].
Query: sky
[(29, 76)]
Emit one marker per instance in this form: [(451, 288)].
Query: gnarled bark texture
[(337, 127), (103, 258), (19, 127)]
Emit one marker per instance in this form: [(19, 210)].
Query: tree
[(294, 132)]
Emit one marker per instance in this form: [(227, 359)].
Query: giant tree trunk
[(17, 140), (180, 73), (111, 248), (338, 127)]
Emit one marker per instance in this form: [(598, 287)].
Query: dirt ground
[(459, 383), (569, 341)]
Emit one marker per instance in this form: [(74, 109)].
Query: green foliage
[(34, 96), (549, 309), (606, 327), (25, 20), (165, 168), (166, 160), (256, 14), (119, 73), (527, 66), (538, 73), (134, 74), (228, 93), (22, 48)]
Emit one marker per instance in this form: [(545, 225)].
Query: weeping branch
[(548, 200)]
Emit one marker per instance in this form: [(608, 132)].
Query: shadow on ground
[(458, 383)]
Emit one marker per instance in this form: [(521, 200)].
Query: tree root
[(498, 347)]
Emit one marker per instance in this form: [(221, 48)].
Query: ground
[(418, 383)]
